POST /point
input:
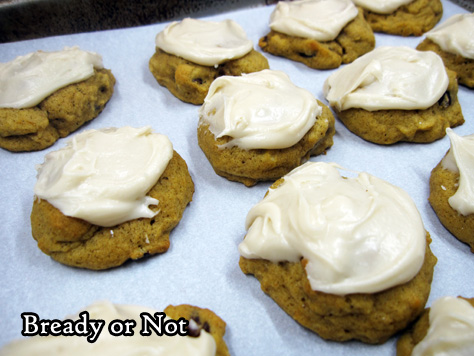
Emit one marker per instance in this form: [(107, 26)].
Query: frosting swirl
[(107, 344), (460, 159), (204, 42), (451, 330), (102, 176), (455, 35), (259, 110), (381, 6), (321, 20), (27, 80), (358, 235), (388, 78)]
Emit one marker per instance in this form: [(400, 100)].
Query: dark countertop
[(27, 19)]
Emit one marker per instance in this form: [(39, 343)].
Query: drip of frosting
[(451, 330), (358, 235), (321, 20), (455, 35), (29, 79), (107, 344), (388, 78), (103, 176), (381, 6), (460, 159), (259, 110), (204, 42)]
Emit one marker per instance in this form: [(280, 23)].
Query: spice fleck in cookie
[(48, 95), (322, 34), (260, 126), (202, 337), (192, 53), (402, 17), (110, 195), (395, 94), (346, 257), (447, 328), (451, 183), (453, 41)]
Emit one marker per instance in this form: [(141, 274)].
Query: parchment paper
[(201, 266)]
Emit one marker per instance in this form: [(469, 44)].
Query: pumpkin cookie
[(347, 258), (319, 33), (453, 42), (447, 327), (203, 336), (402, 17), (450, 195), (394, 107), (48, 95), (260, 126), (98, 216), (192, 53)]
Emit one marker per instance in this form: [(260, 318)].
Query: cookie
[(312, 46), (316, 244), (404, 18), (447, 327), (450, 196), (203, 335), (192, 53), (54, 107), (415, 108), (453, 43), (262, 136), (117, 225)]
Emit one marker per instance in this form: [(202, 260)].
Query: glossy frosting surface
[(460, 159), (27, 80), (455, 35), (321, 20), (259, 110), (358, 234), (451, 330), (103, 176), (204, 42), (388, 78), (381, 6)]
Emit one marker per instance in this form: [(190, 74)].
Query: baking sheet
[(201, 266)]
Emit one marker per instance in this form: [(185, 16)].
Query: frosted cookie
[(395, 94), (453, 41), (192, 53), (322, 34), (451, 188), (346, 257), (447, 328), (110, 195), (402, 17), (260, 126), (203, 336), (48, 95)]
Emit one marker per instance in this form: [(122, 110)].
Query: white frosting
[(455, 35), (259, 110), (107, 344), (321, 20), (204, 42), (27, 80), (359, 235), (460, 159), (381, 6), (388, 78), (102, 176), (451, 330)]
